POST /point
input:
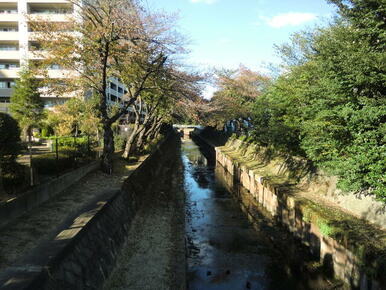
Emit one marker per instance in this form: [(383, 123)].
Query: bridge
[(186, 129)]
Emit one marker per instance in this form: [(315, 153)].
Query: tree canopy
[(26, 105)]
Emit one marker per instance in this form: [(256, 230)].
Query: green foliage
[(119, 142), (26, 105), (13, 176), (80, 146), (47, 164), (74, 117), (9, 138), (11, 173), (330, 105)]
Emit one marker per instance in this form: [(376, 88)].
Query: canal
[(224, 250)]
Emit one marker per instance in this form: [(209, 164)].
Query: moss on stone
[(367, 242)]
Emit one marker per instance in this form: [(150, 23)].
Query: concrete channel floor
[(22, 237), (154, 254)]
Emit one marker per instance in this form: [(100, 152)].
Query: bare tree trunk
[(108, 149), (147, 125), (156, 130), (129, 145), (136, 130)]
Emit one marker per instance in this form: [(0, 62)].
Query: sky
[(227, 33)]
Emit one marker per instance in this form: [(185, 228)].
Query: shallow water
[(224, 250)]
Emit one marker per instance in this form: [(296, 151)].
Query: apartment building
[(17, 45)]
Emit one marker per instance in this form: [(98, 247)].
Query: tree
[(329, 106), (237, 90), (26, 105), (9, 143), (115, 38)]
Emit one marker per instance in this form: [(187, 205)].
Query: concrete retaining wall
[(41, 193), (348, 263), (85, 260)]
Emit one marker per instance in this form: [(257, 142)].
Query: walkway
[(45, 222)]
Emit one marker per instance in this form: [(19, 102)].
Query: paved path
[(26, 233)]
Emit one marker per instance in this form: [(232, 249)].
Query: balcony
[(9, 54), (9, 17), (14, 36), (9, 73), (5, 92)]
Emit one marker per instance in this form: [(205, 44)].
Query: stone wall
[(362, 206), (41, 193), (85, 260), (352, 247)]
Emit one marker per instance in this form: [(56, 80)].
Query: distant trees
[(237, 91), (330, 106)]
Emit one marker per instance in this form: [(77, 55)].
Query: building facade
[(17, 46)]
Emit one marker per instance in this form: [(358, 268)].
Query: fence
[(47, 159)]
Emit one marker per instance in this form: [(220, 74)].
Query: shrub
[(9, 138), (47, 164), (13, 175)]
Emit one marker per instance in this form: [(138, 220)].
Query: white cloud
[(289, 19), (204, 1)]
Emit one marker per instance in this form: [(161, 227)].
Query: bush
[(13, 176), (9, 138), (47, 164), (80, 146)]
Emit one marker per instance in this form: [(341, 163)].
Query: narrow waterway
[(224, 250)]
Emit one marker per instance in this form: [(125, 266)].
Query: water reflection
[(225, 251)]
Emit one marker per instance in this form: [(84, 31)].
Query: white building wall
[(9, 18)]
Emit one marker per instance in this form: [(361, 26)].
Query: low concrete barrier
[(41, 193)]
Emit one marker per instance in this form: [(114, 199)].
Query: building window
[(8, 11), (54, 67), (34, 46), (9, 29), (4, 100), (7, 84), (120, 90), (9, 47), (9, 65), (113, 98), (113, 86), (50, 11)]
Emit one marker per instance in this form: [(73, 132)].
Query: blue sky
[(226, 33)]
